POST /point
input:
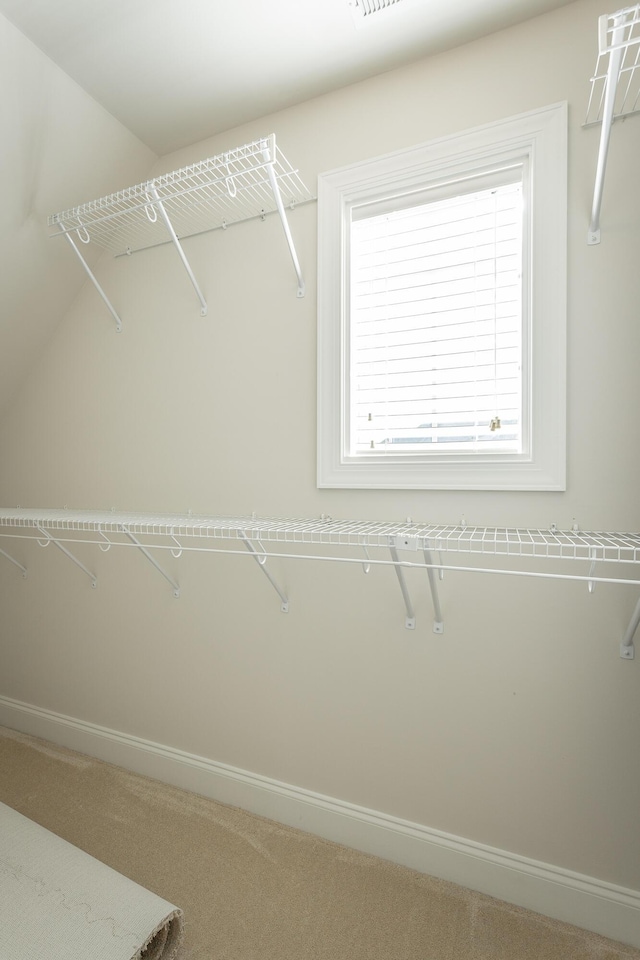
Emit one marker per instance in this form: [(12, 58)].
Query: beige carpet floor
[(252, 889)]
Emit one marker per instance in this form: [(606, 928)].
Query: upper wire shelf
[(212, 193), (242, 184)]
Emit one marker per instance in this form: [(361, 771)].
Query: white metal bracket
[(410, 619), (615, 58), (269, 154), (438, 623), (49, 539), (152, 560), (261, 560), (157, 202), (11, 560), (616, 33), (412, 543), (90, 272), (627, 650)]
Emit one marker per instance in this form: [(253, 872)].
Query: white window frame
[(539, 139)]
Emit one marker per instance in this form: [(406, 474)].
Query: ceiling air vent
[(364, 10)]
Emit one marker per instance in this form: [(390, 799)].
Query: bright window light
[(436, 322)]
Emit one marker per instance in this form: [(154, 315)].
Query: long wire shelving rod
[(351, 541), (248, 182)]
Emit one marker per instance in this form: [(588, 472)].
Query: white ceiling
[(178, 71)]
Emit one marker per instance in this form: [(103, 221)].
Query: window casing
[(441, 313)]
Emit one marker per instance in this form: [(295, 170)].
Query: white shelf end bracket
[(49, 539), (410, 619), (261, 560), (152, 560), (269, 154), (157, 202), (90, 273), (616, 53), (438, 623), (627, 650), (19, 565)]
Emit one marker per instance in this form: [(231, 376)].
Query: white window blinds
[(436, 321)]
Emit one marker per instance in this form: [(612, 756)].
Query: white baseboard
[(592, 904)]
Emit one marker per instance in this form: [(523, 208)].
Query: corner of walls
[(66, 149)]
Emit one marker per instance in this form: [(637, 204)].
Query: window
[(441, 313)]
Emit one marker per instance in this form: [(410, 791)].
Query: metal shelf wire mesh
[(496, 541), (212, 193), (617, 31)]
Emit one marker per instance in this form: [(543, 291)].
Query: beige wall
[(59, 149), (518, 727)]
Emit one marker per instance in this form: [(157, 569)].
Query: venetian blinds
[(436, 321)]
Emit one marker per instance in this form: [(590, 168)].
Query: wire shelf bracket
[(92, 276), (248, 182), (404, 542), (592, 557), (152, 560), (261, 560), (410, 619), (627, 651), (615, 90), (153, 192), (50, 539), (15, 562), (438, 623)]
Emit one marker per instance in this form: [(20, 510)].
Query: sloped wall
[(517, 727), (60, 148)]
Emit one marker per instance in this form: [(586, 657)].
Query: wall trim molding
[(587, 902)]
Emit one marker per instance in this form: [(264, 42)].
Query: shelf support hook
[(438, 623), (269, 154), (153, 194), (49, 539), (410, 619), (261, 560), (152, 560), (91, 275), (11, 560)]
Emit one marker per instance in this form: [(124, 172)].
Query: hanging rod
[(200, 534), (263, 215), (615, 90), (241, 184)]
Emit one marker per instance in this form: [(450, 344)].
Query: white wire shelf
[(207, 195), (422, 545), (619, 32), (248, 182), (504, 541)]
